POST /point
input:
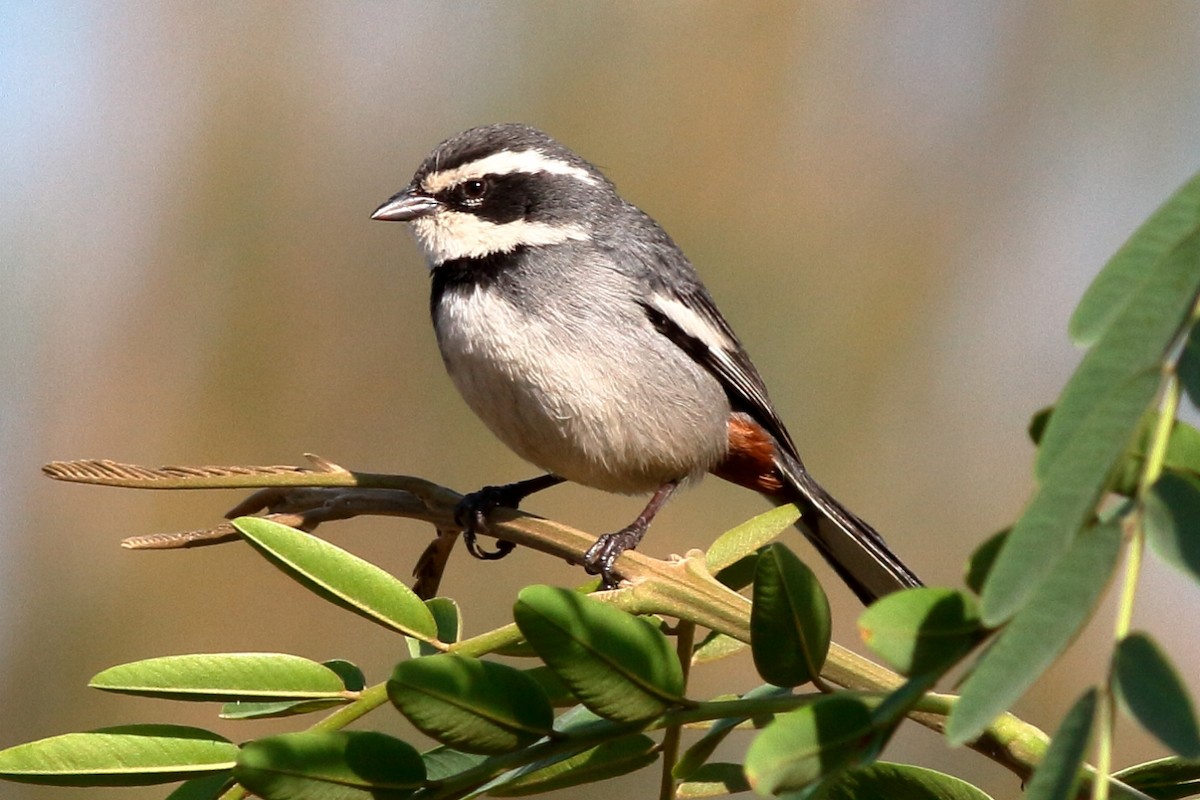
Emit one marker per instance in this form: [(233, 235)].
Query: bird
[(582, 336)]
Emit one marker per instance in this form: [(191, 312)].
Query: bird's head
[(497, 188)]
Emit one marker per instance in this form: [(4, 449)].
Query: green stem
[(368, 700), (490, 642), (1156, 452), (685, 639), (1104, 745)]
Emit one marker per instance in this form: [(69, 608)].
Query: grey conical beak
[(406, 206)]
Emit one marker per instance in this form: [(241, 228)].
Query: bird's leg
[(472, 511), (602, 556)]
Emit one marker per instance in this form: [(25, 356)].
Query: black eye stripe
[(510, 196), (474, 188)]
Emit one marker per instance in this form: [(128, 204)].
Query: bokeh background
[(897, 206)]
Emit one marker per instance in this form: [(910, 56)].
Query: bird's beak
[(406, 206)]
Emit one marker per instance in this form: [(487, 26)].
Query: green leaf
[(901, 782), (277, 710), (1164, 778), (694, 757), (1182, 455), (224, 677), (557, 692), (448, 625), (352, 679), (621, 667), (608, 760), (1095, 419), (1038, 634), (1136, 342), (442, 763), (813, 742), (580, 721), (921, 630), (1183, 449), (340, 577), (1152, 691), (577, 729), (739, 542), (716, 779), (1188, 367), (210, 787), (1171, 521), (982, 559), (1038, 422), (790, 623), (130, 755), (739, 574), (1068, 496), (1133, 266), (715, 647), (1057, 776), (471, 705), (330, 765), (900, 701)]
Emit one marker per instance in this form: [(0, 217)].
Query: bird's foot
[(472, 514), (601, 558)]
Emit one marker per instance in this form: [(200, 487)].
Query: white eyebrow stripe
[(692, 323), (505, 162), (450, 235)]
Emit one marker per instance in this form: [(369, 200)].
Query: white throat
[(447, 235)]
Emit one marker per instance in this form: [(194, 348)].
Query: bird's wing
[(856, 550), (690, 319)]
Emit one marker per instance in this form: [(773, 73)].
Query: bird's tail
[(853, 548)]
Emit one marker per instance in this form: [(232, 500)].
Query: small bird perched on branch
[(582, 336)]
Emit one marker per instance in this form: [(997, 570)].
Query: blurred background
[(897, 207)]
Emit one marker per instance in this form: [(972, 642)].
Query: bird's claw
[(601, 558), (471, 514)]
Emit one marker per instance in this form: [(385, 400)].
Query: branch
[(682, 587)]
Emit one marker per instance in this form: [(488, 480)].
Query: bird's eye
[(474, 189)]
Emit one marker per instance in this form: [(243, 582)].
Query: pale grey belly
[(624, 414)]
